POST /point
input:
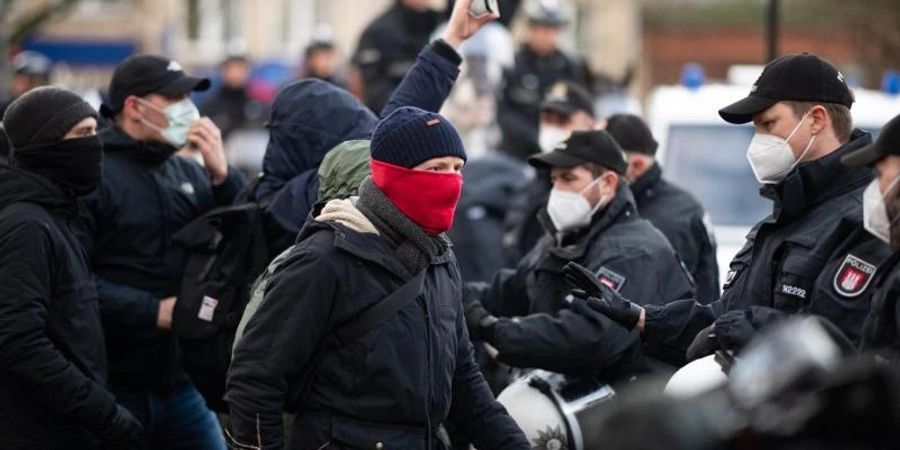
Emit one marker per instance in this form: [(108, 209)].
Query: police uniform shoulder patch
[(853, 276), (611, 279)]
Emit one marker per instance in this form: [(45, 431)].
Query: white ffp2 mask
[(550, 136), (180, 116), (570, 210), (771, 157), (875, 218)]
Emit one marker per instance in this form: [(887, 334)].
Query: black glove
[(580, 278), (612, 305), (705, 343), (124, 432), (479, 321)]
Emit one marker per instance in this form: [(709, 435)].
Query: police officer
[(528, 315), (881, 209), (801, 108), (671, 209), (567, 107), (148, 193), (538, 65), (388, 47)]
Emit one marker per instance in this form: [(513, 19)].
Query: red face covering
[(428, 198)]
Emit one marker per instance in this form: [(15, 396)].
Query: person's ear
[(819, 116), (131, 108)]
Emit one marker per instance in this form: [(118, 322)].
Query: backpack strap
[(381, 311), (348, 332)]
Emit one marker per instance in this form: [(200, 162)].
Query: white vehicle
[(706, 155)]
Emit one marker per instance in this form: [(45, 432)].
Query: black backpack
[(228, 249)]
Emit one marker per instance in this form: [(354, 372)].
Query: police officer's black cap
[(887, 143), (582, 147), (566, 97), (631, 133), (140, 75), (800, 77)]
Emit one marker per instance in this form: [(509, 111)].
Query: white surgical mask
[(570, 210), (771, 157), (875, 218), (550, 136), (180, 116)]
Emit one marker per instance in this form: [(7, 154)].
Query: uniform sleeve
[(27, 355), (277, 346), (706, 272), (430, 80), (506, 296), (577, 341), (669, 329), (372, 65), (473, 408)]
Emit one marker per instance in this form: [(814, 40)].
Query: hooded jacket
[(311, 117), (52, 353)]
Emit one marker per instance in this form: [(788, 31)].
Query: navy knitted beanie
[(410, 136)]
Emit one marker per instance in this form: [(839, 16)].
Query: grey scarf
[(413, 246)]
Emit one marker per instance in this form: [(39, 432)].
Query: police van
[(706, 155)]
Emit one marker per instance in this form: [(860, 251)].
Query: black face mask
[(74, 164)]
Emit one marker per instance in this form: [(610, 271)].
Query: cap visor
[(865, 156), (557, 107), (554, 159), (184, 85), (743, 110)]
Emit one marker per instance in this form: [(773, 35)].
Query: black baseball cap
[(631, 133), (887, 143), (140, 75), (799, 77), (595, 146), (566, 97)]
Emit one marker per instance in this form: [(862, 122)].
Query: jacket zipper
[(427, 373)]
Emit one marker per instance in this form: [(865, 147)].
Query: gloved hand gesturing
[(479, 320), (124, 432), (601, 297)]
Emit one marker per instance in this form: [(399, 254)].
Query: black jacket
[(232, 109), (52, 355), (683, 221), (518, 108), (395, 385), (387, 50), (521, 228), (783, 265), (311, 117), (128, 226), (881, 326), (477, 232), (538, 328)]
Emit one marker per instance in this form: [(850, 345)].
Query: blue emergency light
[(692, 76)]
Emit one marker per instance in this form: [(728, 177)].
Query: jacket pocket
[(795, 282)]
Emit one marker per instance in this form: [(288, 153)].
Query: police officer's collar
[(816, 181), (646, 181)]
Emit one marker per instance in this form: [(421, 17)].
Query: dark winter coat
[(390, 388), (683, 221), (791, 259), (542, 327), (128, 226), (52, 354), (387, 50)]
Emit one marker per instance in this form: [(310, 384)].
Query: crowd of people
[(359, 294)]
